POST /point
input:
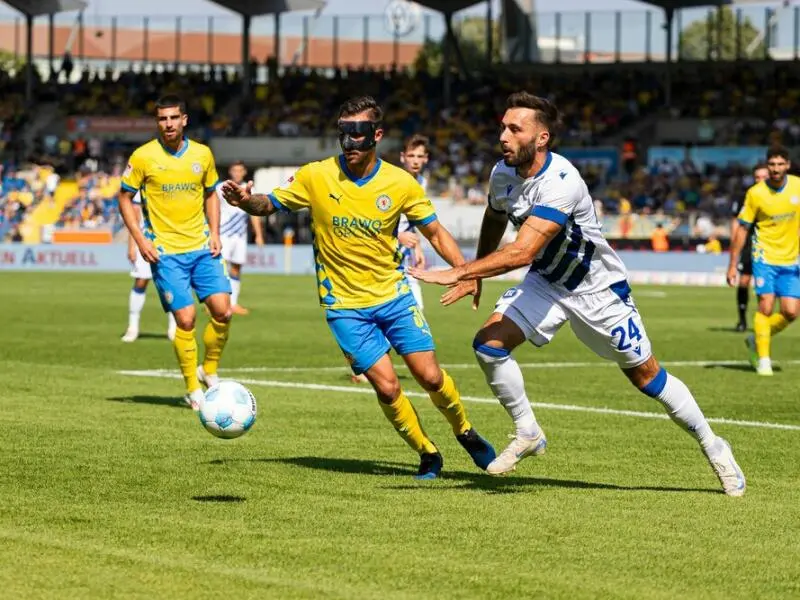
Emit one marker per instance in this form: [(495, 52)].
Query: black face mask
[(358, 128)]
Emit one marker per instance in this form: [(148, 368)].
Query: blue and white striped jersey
[(579, 259), (404, 225), (232, 220)]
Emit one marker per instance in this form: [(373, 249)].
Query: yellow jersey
[(173, 188), (354, 223), (776, 216)]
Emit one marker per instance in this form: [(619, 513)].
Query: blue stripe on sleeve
[(211, 189), (550, 214), (745, 223), (128, 188), (277, 203), (425, 221)]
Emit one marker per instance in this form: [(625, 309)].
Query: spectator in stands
[(659, 239)]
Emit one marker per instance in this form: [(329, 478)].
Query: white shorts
[(607, 323), (234, 249), (141, 268)]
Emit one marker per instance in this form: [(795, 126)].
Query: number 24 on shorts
[(625, 337)]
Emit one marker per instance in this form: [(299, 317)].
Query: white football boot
[(206, 379), (195, 399), (131, 335), (518, 449), (727, 470)]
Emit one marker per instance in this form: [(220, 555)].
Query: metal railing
[(748, 32)]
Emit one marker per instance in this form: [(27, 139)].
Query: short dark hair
[(238, 163), (759, 166), (415, 141), (778, 151), (359, 104), (546, 112), (170, 100)]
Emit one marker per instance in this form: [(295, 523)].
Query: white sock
[(681, 407), (171, 324), (135, 306), (236, 287), (505, 378)]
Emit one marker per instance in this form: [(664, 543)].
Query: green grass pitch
[(111, 489)]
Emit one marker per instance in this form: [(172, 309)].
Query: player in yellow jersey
[(773, 207), (177, 180), (356, 201)]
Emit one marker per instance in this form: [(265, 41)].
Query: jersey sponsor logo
[(197, 168), (346, 227), (383, 203), (169, 188)]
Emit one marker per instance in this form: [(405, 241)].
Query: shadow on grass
[(747, 368), (221, 498), (152, 336), (156, 400), (717, 328), (468, 480)]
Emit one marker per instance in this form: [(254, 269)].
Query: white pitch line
[(546, 405), (536, 365)]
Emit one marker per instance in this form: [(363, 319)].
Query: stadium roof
[(35, 8), (448, 6), (676, 4), (256, 8)]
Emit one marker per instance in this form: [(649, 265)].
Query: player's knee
[(185, 322), (221, 316), (430, 378), (789, 314), (387, 389)]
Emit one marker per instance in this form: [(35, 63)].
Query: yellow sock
[(214, 338), (777, 323), (186, 350), (405, 420), (761, 326), (448, 401)]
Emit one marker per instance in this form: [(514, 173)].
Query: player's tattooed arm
[(258, 205)]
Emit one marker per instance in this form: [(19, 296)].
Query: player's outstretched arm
[(534, 235), (258, 205), (131, 219)]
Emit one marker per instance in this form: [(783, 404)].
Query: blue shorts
[(783, 281), (366, 334), (177, 275)]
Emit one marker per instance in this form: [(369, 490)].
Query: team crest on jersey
[(795, 200), (197, 167), (383, 203)]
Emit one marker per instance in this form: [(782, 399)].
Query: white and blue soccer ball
[(229, 410)]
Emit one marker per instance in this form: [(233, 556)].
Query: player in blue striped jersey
[(233, 235), (574, 276)]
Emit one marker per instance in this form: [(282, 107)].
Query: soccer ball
[(229, 410)]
